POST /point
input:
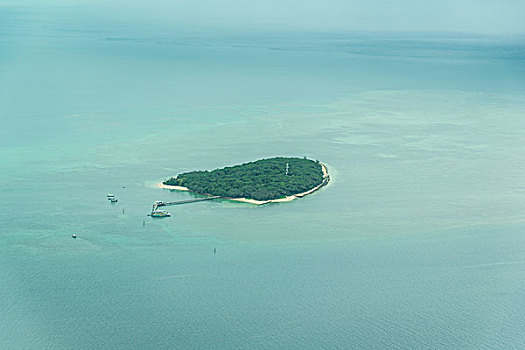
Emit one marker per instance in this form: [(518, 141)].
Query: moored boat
[(160, 213)]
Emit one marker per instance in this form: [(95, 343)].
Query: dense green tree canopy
[(261, 180)]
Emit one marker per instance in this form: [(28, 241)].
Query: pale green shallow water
[(417, 243)]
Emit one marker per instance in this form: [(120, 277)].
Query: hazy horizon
[(485, 17)]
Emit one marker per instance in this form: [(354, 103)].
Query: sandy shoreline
[(326, 179), (169, 187)]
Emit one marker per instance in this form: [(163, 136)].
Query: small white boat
[(111, 195), (74, 235), (113, 200)]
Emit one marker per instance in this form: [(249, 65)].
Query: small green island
[(261, 181)]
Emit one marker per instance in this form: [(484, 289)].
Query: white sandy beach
[(169, 187), (254, 201)]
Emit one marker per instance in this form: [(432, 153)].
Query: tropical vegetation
[(263, 179)]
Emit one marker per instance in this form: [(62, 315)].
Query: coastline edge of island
[(326, 180)]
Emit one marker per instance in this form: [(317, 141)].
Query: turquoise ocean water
[(417, 243)]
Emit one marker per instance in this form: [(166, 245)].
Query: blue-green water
[(417, 243)]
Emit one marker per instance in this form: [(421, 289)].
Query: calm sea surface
[(417, 243)]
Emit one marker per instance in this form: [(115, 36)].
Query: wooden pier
[(161, 204)]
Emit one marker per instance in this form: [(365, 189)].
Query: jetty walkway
[(161, 204)]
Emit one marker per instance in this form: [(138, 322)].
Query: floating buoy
[(74, 235)]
